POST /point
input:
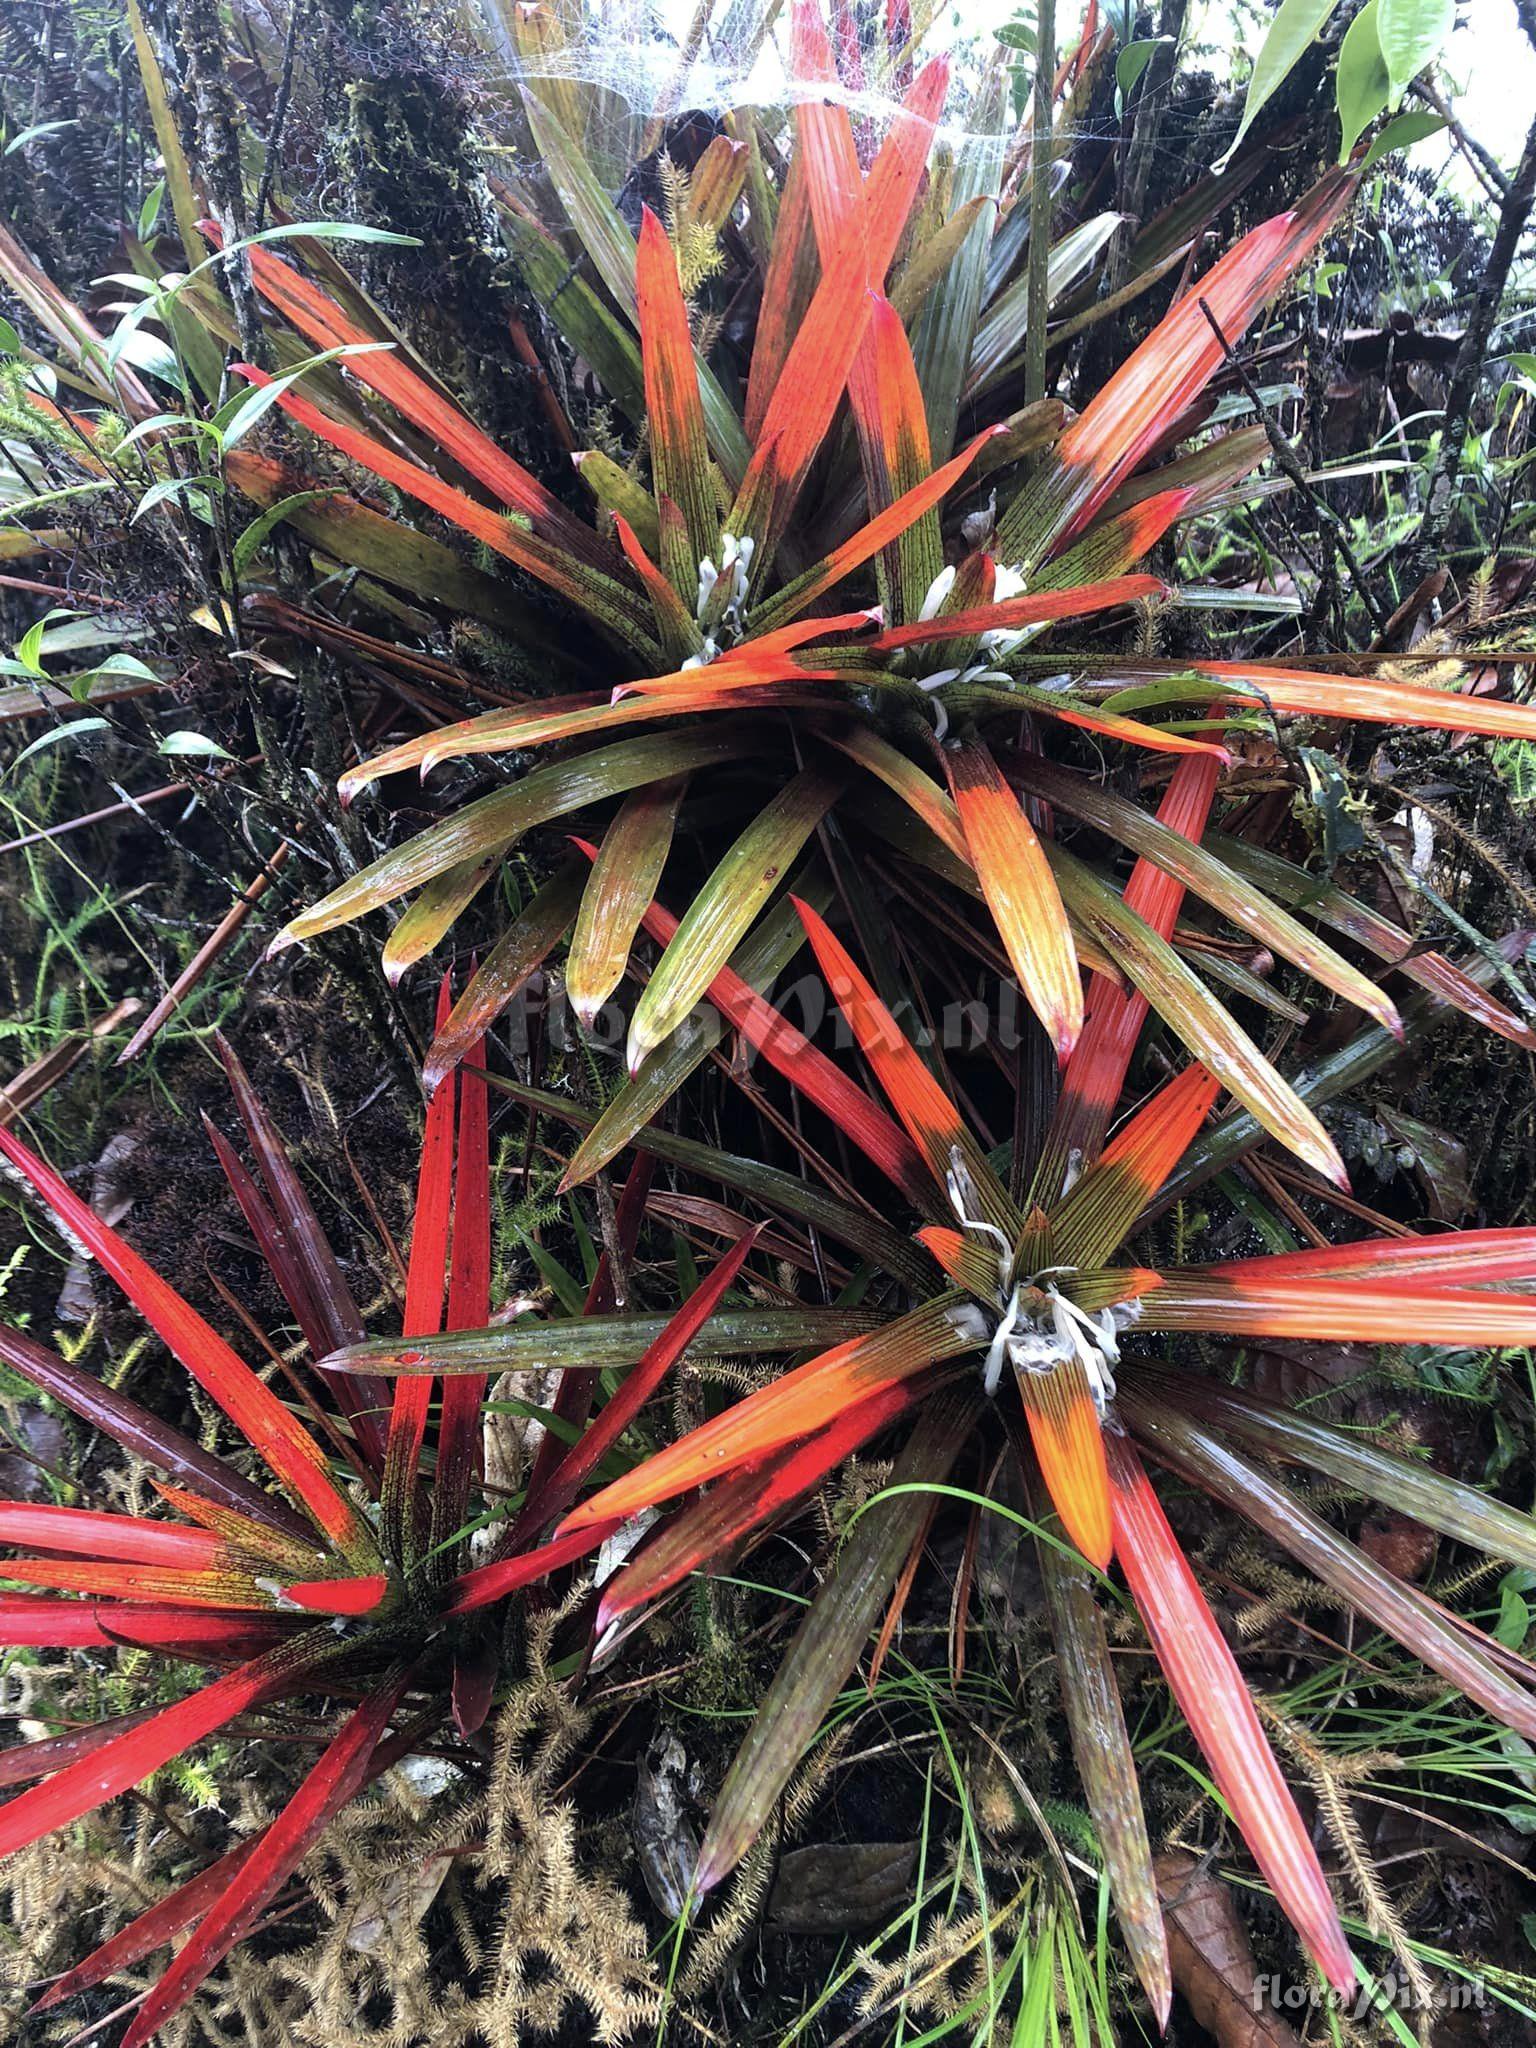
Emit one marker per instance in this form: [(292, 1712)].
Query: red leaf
[(253, 1408), (29, 1622), (279, 1851), (1114, 1016), (1344, 1311), (152, 1929), (1130, 414), (469, 1305), (338, 1596), (1203, 1676), (84, 1533), (788, 1050), (423, 1315), (315, 314), (936, 1126), (588, 1452), (220, 1586), (1310, 694), (489, 1583), (145, 1435), (1471, 1255), (309, 1275), (593, 589), (85, 1785)]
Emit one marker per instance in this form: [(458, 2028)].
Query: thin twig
[(279, 118), (1471, 357), (1285, 455), (204, 957)]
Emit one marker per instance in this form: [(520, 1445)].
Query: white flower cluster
[(1035, 1339), (991, 647), (734, 571)]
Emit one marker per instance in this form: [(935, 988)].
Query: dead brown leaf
[(1212, 1962)]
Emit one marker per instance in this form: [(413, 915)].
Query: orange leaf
[(1114, 1016), (1089, 1223), (1020, 890), (675, 412), (1034, 608), (936, 1126), (796, 1405), (1069, 1443)]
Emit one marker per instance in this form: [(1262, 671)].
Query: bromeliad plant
[(351, 1583), (1034, 1295), (1025, 1296), (893, 306)]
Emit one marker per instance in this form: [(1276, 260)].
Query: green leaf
[(827, 1644), (726, 905), (1363, 86), (1412, 33), (852, 1225), (115, 665), (1401, 133), (10, 340), (29, 647), (181, 745), (149, 212), (1514, 1622), (126, 665), (1105, 1760), (1296, 26), (1192, 1012), (77, 729), (1202, 872), (252, 537), (36, 132), (495, 823), (1130, 64), (597, 1343), (1455, 1509), (236, 419), (168, 489)]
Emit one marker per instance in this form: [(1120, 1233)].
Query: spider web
[(644, 61)]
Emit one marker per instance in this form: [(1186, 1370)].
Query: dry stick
[(279, 117), (1151, 104), (1285, 457), (204, 957), (1484, 167), (218, 147), (1467, 370), (554, 412), (35, 1079), (671, 95), (129, 803)]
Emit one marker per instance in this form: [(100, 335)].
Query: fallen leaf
[(1400, 1545), (666, 1840), (1212, 1963), (838, 1888), (397, 1904)]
